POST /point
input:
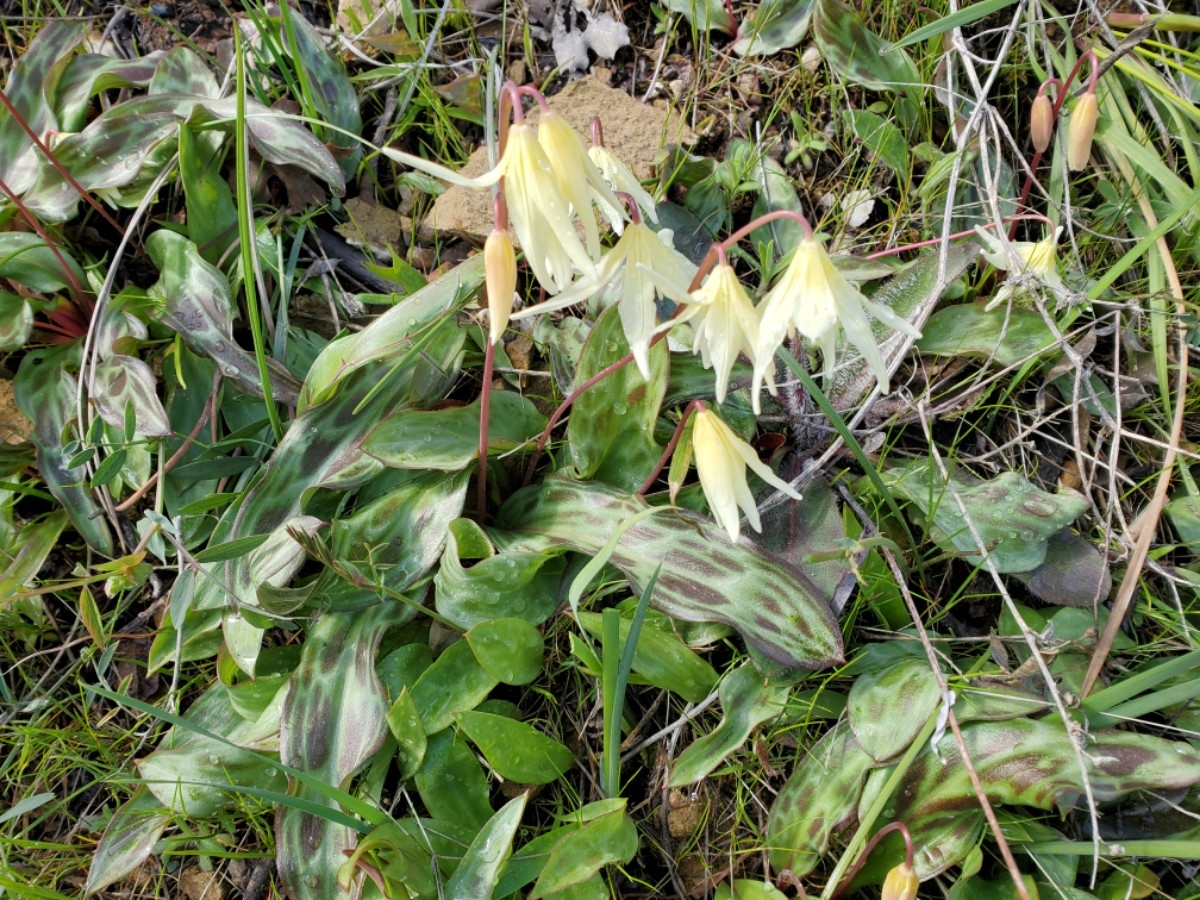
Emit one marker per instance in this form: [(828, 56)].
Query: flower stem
[(867, 850), (670, 448), (932, 242), (485, 407)]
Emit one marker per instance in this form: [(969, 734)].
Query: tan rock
[(633, 130)]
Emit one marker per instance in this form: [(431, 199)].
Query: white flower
[(639, 251), (1039, 260), (813, 298), (727, 326), (721, 460), (619, 178), (578, 177), (500, 275)]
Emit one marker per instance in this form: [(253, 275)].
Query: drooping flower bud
[(1041, 122), (1080, 131), (901, 883), (500, 273)]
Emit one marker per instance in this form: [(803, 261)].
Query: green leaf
[(128, 840), (776, 25), (211, 212), (1009, 336), (965, 16), (456, 682), (451, 782), (404, 722), (889, 707), (28, 260), (611, 429), (509, 649), (745, 889), (24, 556), (609, 839), (518, 752), (661, 658), (448, 439), (704, 14), (704, 578), (817, 800), (1013, 517), (747, 700), (859, 55), (476, 875), (882, 137)]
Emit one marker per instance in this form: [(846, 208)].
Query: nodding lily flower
[(813, 298), (619, 178), (639, 252), (901, 883), (1039, 259), (578, 177), (540, 214), (500, 275), (727, 322), (721, 460)]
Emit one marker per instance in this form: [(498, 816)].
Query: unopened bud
[(901, 883), (500, 273), (1041, 122), (1080, 131)]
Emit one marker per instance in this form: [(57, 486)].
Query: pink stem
[(670, 448), (871, 845), (485, 407)]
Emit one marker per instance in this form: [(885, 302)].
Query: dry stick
[(1147, 523), (931, 654)]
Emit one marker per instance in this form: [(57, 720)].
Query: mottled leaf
[(480, 867), (1014, 518), (706, 15), (518, 752), (859, 55), (611, 429), (16, 321), (456, 682), (1006, 335), (119, 382), (91, 73), (1074, 573), (128, 840), (451, 782), (776, 25), (182, 71), (475, 583), (888, 707), (28, 260), (447, 439), (212, 221), (509, 649), (610, 839), (661, 658), (334, 720), (703, 579), (747, 700), (817, 801)]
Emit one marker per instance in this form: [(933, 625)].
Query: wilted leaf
[(518, 752), (703, 579), (606, 840), (1006, 335), (747, 699), (1013, 517)]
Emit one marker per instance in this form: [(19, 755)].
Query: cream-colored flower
[(539, 213), (901, 884), (500, 275), (639, 251), (813, 298), (721, 460), (578, 177), (726, 322), (1020, 258), (619, 178)]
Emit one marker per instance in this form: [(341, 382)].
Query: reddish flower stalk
[(671, 445)]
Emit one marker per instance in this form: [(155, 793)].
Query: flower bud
[(1080, 131), (901, 883), (500, 273), (1041, 122)]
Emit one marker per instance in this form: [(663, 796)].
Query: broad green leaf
[(776, 25), (776, 192), (402, 667), (1009, 336), (448, 439), (704, 579), (518, 752), (128, 839), (889, 707), (28, 260), (936, 792), (405, 724), (456, 682), (609, 839), (212, 221), (451, 782), (480, 867), (1074, 572), (334, 721), (817, 801), (509, 649), (706, 15), (1013, 517), (182, 71), (747, 699), (661, 658), (503, 584), (745, 889), (23, 558), (611, 429), (859, 55), (882, 137)]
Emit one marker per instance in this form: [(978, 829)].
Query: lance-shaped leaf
[(1013, 517), (775, 607), (334, 720), (777, 25), (888, 707), (128, 839), (1006, 335), (747, 699), (1029, 762), (89, 74), (480, 867), (29, 261), (123, 381), (818, 800), (516, 751), (608, 839), (858, 54), (454, 683)]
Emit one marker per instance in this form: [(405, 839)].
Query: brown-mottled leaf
[(889, 706), (128, 839), (123, 381)]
